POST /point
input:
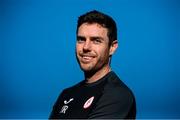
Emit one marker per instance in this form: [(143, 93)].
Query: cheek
[(103, 53), (77, 48), (104, 50)]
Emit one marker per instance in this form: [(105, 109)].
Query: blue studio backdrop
[(38, 53)]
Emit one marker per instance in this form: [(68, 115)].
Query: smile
[(87, 59)]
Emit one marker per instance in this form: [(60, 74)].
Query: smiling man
[(101, 95)]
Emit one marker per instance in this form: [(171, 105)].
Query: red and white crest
[(88, 102)]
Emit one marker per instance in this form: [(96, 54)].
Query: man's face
[(92, 47)]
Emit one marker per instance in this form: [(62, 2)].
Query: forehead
[(93, 29)]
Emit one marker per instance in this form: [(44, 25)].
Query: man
[(102, 94)]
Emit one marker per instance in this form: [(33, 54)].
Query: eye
[(81, 39), (97, 41)]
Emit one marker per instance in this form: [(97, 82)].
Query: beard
[(95, 65)]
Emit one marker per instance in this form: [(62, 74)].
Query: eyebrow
[(96, 38), (93, 37), (81, 37)]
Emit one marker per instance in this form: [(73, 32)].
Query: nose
[(87, 46)]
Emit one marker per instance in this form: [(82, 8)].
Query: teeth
[(86, 57)]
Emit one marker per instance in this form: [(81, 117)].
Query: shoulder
[(116, 89), (117, 100)]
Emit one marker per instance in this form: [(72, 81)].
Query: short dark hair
[(103, 20)]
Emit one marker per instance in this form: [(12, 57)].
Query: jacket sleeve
[(115, 105)]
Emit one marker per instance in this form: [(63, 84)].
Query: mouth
[(86, 58)]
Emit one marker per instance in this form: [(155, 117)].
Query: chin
[(86, 68)]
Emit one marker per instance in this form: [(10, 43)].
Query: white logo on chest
[(66, 102), (88, 102), (65, 107)]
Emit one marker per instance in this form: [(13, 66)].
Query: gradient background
[(38, 61)]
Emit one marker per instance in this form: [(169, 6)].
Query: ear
[(113, 47)]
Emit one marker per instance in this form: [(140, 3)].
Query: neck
[(96, 75)]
